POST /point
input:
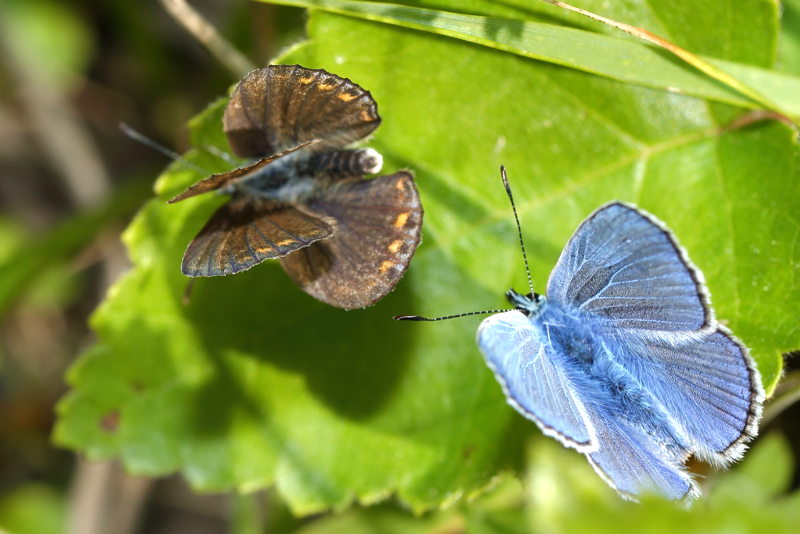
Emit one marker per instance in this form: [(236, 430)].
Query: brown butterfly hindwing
[(247, 231), (377, 230)]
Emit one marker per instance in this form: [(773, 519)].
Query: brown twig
[(105, 499), (208, 36)]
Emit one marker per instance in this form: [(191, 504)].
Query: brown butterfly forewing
[(343, 239)]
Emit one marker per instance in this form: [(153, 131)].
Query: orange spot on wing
[(385, 265), (395, 246), (347, 97), (401, 220), (284, 242)]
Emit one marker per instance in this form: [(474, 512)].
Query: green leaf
[(789, 42), (565, 496), (254, 383), (617, 58), (763, 476)]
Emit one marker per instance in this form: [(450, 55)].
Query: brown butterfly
[(343, 239)]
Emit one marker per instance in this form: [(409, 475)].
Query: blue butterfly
[(623, 360)]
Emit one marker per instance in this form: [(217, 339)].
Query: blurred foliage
[(789, 40), (52, 285), (44, 256), (32, 509), (51, 35), (751, 498), (105, 62), (561, 495), (254, 384)]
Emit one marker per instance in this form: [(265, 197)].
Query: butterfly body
[(343, 238), (624, 360), (294, 177), (282, 181)]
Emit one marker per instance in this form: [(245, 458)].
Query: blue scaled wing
[(633, 463), (533, 380), (624, 267), (708, 385), (629, 281)]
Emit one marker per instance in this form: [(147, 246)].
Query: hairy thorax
[(608, 386)]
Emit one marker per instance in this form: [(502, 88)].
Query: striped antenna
[(524, 257), (456, 316), (519, 227)]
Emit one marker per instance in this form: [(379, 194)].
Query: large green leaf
[(254, 383), (561, 495)]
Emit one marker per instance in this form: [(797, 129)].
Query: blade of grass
[(692, 59), (612, 57)]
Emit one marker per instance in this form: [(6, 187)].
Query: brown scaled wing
[(281, 106), (247, 231), (377, 230), (218, 181)]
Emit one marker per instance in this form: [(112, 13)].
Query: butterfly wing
[(629, 443), (631, 462), (625, 268), (218, 181), (377, 229), (535, 379), (708, 385), (247, 231), (281, 106)]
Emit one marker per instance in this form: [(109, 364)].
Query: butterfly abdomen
[(347, 163), (606, 385)]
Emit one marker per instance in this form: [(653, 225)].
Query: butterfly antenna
[(161, 149), (221, 154), (456, 316), (524, 257), (186, 299), (519, 227)]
